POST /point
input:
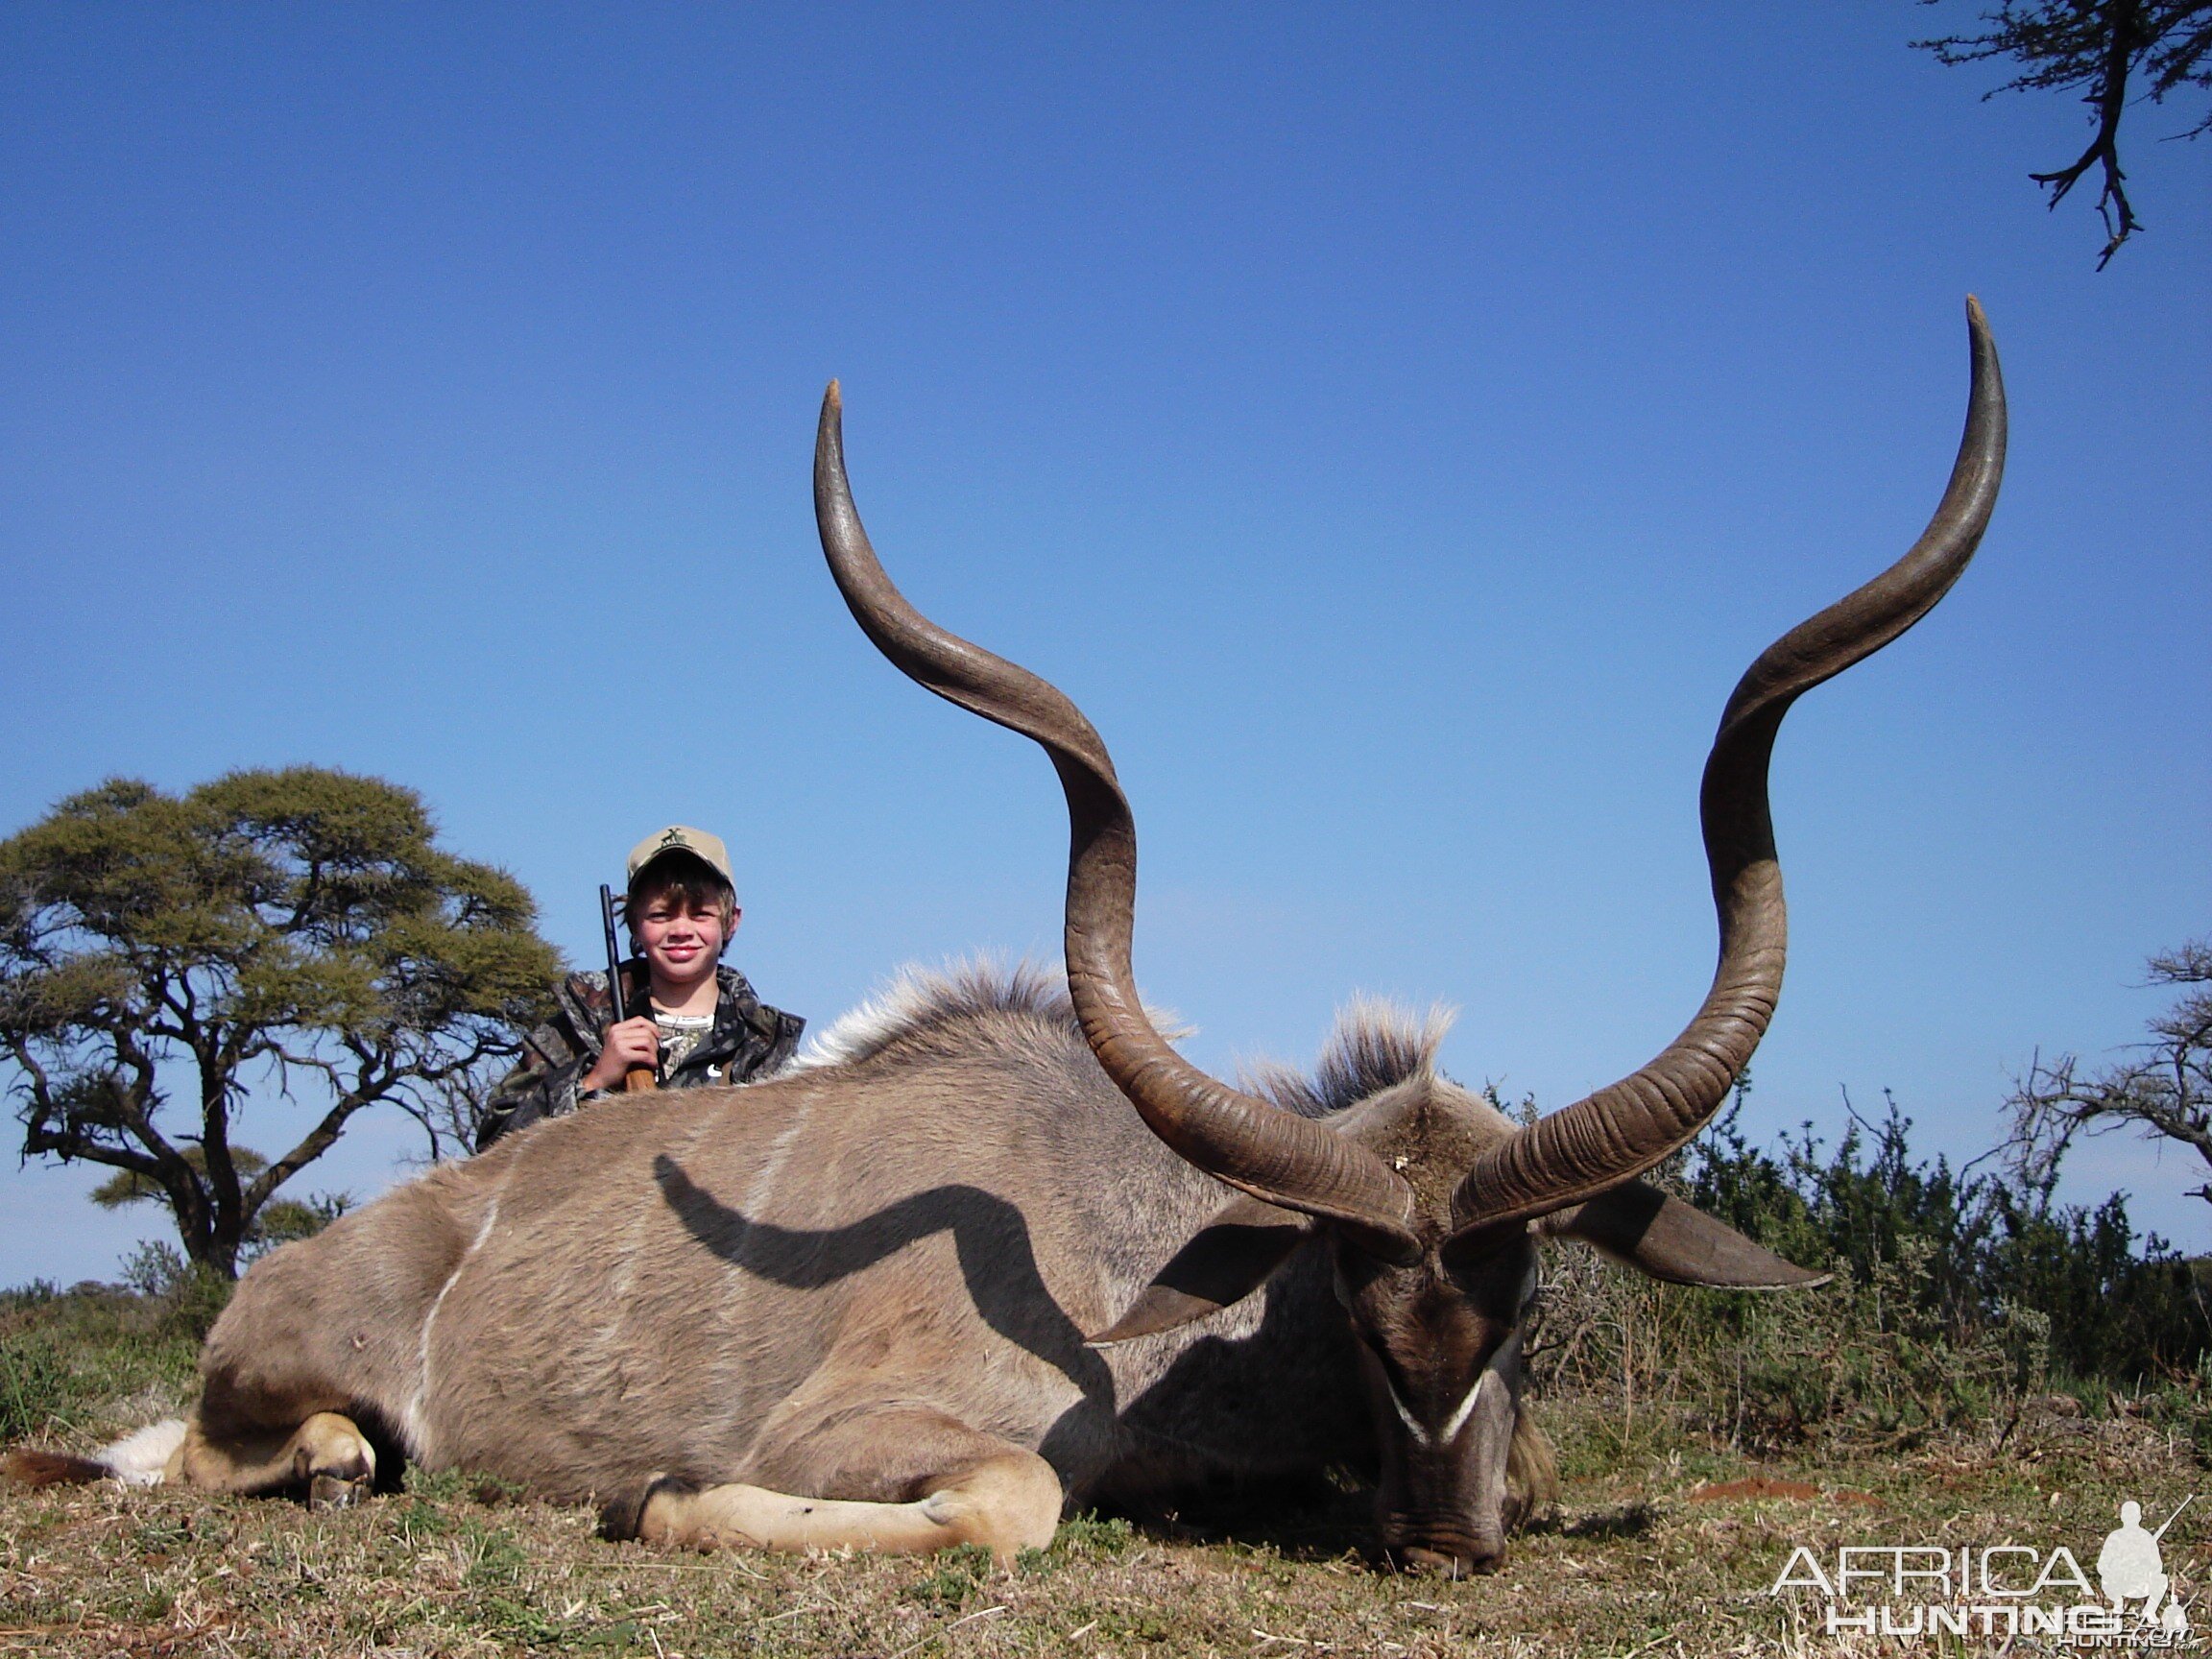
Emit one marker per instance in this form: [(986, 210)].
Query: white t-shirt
[(680, 1034)]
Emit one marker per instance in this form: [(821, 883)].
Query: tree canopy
[(2165, 1091), (2098, 48), (293, 936)]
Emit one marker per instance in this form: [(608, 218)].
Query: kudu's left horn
[(1255, 1146), (1626, 1127)]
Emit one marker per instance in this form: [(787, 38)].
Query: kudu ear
[(1231, 1256), (1675, 1241)]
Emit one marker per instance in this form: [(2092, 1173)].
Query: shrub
[(179, 1298), (1953, 1296), (86, 1364), (33, 1389)]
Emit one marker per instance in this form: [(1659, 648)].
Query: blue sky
[(1396, 426)]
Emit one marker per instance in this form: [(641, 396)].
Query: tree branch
[(2096, 46), (311, 1147), (2109, 100)]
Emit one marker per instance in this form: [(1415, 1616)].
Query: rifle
[(639, 1078), (2175, 1515)]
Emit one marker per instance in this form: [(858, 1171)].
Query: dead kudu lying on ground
[(940, 1283)]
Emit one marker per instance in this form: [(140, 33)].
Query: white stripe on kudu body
[(413, 1424)]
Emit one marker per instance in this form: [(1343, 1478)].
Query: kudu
[(848, 1306)]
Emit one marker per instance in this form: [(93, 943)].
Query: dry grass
[(1665, 1543), (1634, 1564)]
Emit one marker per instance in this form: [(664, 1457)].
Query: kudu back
[(944, 1282)]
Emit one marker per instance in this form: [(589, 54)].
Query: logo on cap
[(683, 838)]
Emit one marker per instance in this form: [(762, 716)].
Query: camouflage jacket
[(749, 1039)]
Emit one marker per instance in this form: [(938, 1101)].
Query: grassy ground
[(1640, 1558)]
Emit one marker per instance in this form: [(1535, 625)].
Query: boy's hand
[(636, 1042)]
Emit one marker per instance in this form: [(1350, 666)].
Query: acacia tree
[(290, 935), (279, 1221), (2098, 48), (2165, 1091)]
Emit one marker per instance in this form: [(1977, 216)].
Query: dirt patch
[(1754, 1486)]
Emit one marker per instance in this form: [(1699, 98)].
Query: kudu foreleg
[(1006, 1504), (325, 1455), (981, 1490)]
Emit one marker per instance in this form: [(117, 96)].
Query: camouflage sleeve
[(789, 1029), (542, 1086)]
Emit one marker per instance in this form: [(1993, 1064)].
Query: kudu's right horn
[(1626, 1127), (1253, 1146)]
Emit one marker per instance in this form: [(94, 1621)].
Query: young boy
[(696, 1023)]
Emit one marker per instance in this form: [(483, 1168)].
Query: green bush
[(1987, 1253), (183, 1298), (33, 1389), (86, 1364), (1954, 1298)]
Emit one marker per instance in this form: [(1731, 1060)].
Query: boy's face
[(682, 945)]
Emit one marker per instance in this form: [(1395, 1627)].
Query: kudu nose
[(1416, 1558)]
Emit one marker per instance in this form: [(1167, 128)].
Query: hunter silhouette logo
[(2129, 1568), (2003, 1590)]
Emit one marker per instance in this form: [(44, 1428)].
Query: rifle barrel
[(638, 1078), (2175, 1515), (614, 953)]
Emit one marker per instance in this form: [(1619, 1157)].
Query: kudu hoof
[(622, 1519)]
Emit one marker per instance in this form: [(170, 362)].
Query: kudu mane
[(937, 1013), (1377, 1045), (978, 1007)]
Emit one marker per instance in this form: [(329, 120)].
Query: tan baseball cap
[(683, 838)]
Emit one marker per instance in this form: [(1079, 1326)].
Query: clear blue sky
[(1396, 426)]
